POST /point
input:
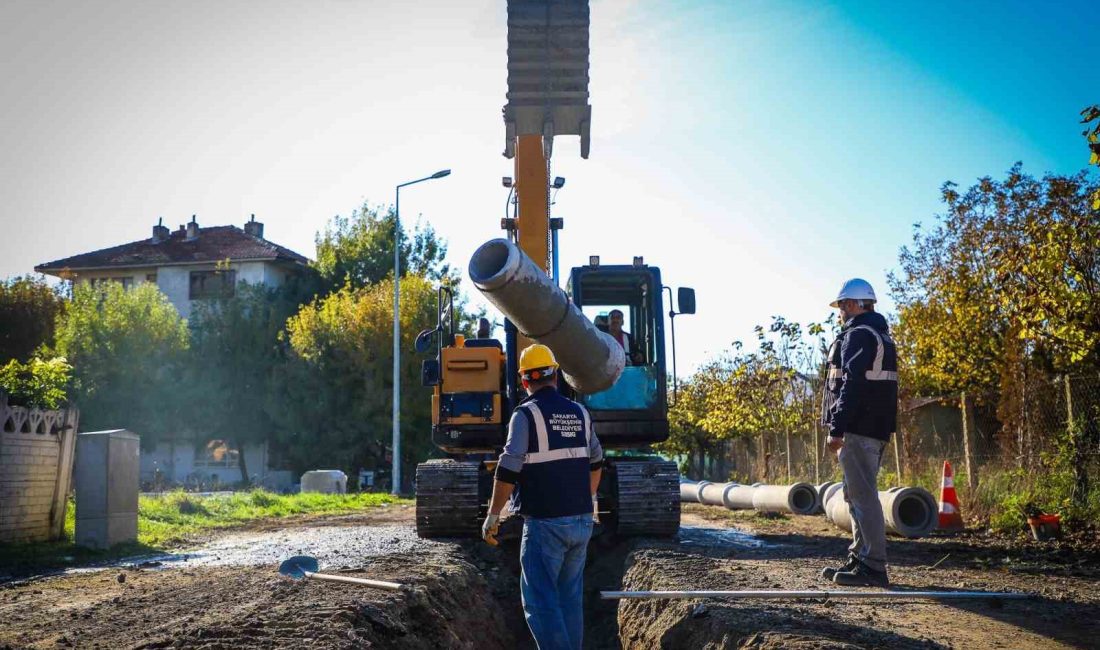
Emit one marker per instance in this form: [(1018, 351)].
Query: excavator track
[(449, 499), (646, 497)]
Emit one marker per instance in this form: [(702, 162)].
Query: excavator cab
[(634, 411)]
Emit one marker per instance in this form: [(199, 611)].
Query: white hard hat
[(855, 289)]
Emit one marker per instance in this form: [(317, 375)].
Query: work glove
[(489, 529)]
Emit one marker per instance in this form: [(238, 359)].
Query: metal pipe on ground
[(817, 595), (799, 498), (909, 511), (590, 360)]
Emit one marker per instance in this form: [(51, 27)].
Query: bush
[(38, 383)]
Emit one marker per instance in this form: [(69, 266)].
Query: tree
[(359, 250), (126, 348), (236, 361), (338, 400), (1092, 137), (28, 315), (771, 390)]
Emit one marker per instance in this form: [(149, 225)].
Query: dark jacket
[(861, 389)]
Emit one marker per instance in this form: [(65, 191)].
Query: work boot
[(862, 576), (828, 572)]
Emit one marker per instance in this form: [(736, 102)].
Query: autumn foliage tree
[(341, 383), (759, 394)]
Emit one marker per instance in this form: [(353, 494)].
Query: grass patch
[(171, 518)]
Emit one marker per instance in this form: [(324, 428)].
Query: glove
[(489, 529)]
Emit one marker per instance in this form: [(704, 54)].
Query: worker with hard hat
[(860, 409), (550, 470)]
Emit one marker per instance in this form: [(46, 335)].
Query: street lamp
[(396, 482)]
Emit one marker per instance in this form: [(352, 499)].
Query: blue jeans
[(552, 556)]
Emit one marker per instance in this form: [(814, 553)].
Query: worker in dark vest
[(860, 408), (550, 469)]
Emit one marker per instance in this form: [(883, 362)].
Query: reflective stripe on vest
[(545, 454), (876, 373)]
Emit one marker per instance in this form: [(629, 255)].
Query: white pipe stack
[(909, 512), (799, 499), (821, 490)]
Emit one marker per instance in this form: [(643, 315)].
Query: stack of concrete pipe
[(799, 498), (909, 511)]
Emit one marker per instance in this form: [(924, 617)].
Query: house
[(188, 265)]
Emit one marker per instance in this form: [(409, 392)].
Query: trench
[(609, 559)]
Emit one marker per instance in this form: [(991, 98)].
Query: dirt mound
[(448, 605)]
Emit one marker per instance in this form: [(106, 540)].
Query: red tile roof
[(214, 244)]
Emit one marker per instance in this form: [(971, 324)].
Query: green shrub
[(39, 383)]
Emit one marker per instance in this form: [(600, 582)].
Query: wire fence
[(1043, 419)]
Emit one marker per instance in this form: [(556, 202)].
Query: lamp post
[(396, 482)]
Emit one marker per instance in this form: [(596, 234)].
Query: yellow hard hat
[(536, 356)]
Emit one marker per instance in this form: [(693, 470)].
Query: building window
[(216, 454), (213, 284), (126, 282), (151, 278)]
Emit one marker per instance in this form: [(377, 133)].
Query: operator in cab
[(615, 329), (550, 470)]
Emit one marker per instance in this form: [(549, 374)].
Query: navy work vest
[(871, 407), (555, 477)]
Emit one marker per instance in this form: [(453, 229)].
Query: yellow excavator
[(620, 377)]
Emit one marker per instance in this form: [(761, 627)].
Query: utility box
[(106, 480), (327, 481)]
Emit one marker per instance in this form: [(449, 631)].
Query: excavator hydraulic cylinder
[(590, 360)]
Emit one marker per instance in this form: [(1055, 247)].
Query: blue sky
[(761, 152)]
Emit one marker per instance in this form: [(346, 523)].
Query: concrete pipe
[(821, 490), (730, 495), (738, 497), (689, 492), (711, 493), (590, 360), (908, 512), (799, 498)]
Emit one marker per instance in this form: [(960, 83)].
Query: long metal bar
[(377, 584), (815, 594)]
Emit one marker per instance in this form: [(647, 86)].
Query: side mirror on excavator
[(685, 298), (423, 342)]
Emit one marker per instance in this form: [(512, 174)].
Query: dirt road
[(224, 592)]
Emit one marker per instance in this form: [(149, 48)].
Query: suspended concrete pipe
[(799, 498), (590, 360), (909, 511)]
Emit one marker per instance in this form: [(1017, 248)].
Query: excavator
[(475, 380)]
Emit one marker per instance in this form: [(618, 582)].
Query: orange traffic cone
[(950, 516)]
